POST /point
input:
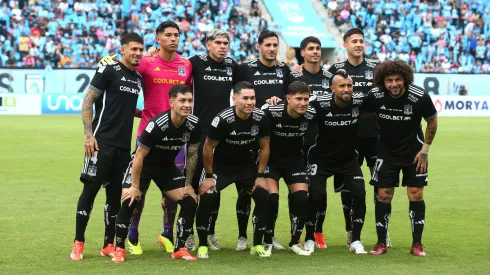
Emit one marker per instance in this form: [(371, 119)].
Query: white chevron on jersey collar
[(163, 119), (227, 113), (415, 90), (374, 90), (357, 95), (192, 118), (258, 111), (326, 97), (311, 110)]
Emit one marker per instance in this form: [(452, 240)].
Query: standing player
[(158, 145), (160, 73), (269, 78), (213, 76), (114, 90), (229, 157), (334, 154), (361, 70), (289, 123), (400, 107), (318, 81)]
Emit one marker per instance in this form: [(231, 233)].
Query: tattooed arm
[(422, 158), (87, 115), (191, 162)]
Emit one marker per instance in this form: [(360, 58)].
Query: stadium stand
[(432, 36), (437, 37)]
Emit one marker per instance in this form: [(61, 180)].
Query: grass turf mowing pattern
[(42, 156)]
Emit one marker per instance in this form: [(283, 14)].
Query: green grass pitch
[(41, 158)]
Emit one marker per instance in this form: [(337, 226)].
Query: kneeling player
[(334, 154), (158, 146), (229, 157), (289, 122)]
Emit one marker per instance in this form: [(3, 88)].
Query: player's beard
[(347, 102)]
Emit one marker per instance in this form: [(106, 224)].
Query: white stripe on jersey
[(227, 113), (258, 111), (374, 90), (162, 119), (311, 110), (357, 95), (415, 91), (192, 118), (421, 142), (101, 113)]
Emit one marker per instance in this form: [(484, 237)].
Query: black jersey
[(236, 137), (319, 82), (401, 136), (268, 81), (335, 142), (164, 140), (114, 109), (213, 82), (362, 78), (287, 134)]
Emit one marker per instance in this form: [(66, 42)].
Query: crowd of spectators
[(447, 36), (76, 34)]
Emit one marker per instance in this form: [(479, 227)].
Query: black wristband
[(209, 176), (260, 175)]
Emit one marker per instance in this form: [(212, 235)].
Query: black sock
[(261, 215), (346, 199), (112, 206), (214, 218), (84, 208), (123, 222), (290, 207), (417, 217), (358, 211), (185, 221), (243, 205), (273, 210), (383, 214), (208, 203), (299, 201), (316, 214)]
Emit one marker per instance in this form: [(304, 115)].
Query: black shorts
[(165, 178), (107, 166), (366, 149), (243, 176), (347, 175), (295, 173), (387, 175)]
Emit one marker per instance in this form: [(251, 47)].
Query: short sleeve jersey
[(318, 82), (159, 76), (115, 107), (165, 141), (335, 142), (268, 81), (401, 136), (362, 76), (236, 137), (213, 82), (286, 134)]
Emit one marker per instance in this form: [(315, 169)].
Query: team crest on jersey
[(303, 126), (369, 75), (407, 109), (92, 171), (325, 83), (215, 122), (279, 73), (229, 71), (255, 130), (181, 71), (186, 137), (355, 112)]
